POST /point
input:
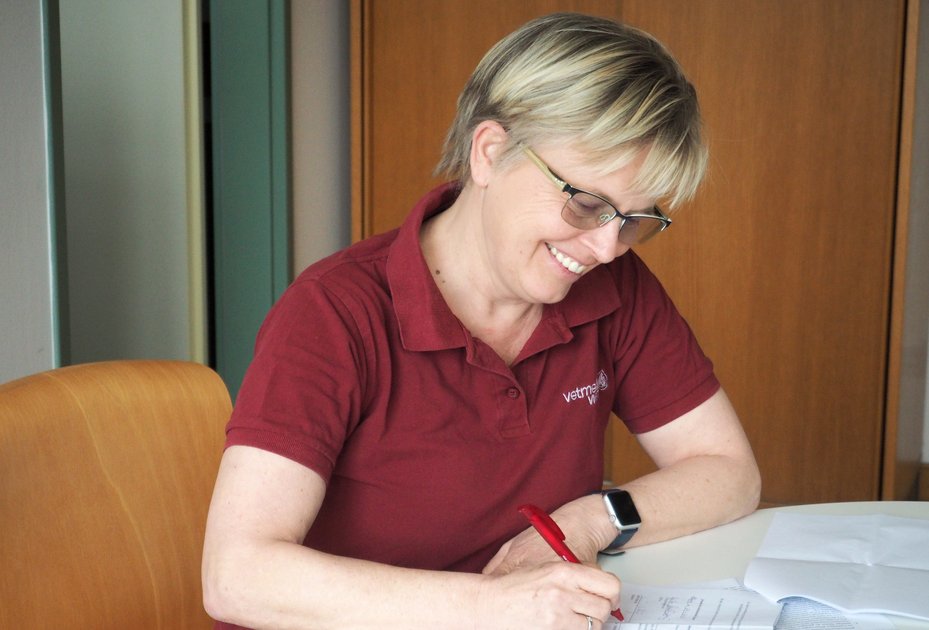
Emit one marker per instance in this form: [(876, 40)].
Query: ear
[(487, 144)]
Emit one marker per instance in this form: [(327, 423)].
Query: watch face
[(623, 508)]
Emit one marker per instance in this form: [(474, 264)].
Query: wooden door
[(781, 265), (411, 58)]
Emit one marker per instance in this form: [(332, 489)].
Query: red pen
[(549, 530)]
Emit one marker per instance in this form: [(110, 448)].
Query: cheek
[(519, 224)]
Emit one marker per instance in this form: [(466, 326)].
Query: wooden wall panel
[(419, 55), (782, 264)]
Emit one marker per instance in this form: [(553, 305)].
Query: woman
[(408, 394)]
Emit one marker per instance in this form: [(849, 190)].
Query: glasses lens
[(586, 211), (637, 230)]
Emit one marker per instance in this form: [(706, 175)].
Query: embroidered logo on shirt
[(591, 392)]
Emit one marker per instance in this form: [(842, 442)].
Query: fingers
[(588, 591), (529, 549), (592, 622), (525, 550), (595, 581), (594, 606), (554, 595), (496, 562), (602, 596)]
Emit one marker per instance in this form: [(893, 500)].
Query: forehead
[(615, 182)]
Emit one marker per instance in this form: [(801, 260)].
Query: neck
[(455, 252)]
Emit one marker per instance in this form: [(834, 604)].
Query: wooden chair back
[(106, 473)]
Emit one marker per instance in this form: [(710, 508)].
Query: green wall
[(251, 172)]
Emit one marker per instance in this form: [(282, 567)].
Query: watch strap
[(615, 547)]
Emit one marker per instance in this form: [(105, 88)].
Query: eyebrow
[(537, 158), (583, 190), (649, 211)]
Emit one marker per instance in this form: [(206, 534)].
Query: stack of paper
[(803, 614), (856, 564), (694, 608)]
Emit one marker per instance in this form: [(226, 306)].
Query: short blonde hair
[(605, 88)]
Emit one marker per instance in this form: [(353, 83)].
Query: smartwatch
[(623, 515)]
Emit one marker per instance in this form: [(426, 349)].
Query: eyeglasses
[(587, 211)]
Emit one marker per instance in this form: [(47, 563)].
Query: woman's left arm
[(707, 476)]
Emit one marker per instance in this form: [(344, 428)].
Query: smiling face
[(531, 253)]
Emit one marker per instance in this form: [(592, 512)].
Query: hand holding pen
[(552, 534)]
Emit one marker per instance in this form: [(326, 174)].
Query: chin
[(552, 297)]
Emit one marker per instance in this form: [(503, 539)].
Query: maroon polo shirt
[(427, 440)]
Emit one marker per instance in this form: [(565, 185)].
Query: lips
[(566, 261)]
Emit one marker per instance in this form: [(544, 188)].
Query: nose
[(604, 241)]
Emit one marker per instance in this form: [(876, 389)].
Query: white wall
[(125, 170), (28, 327), (321, 131)]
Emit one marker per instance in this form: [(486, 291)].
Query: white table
[(725, 551)]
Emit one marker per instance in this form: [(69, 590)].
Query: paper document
[(805, 614), (660, 607), (857, 564)]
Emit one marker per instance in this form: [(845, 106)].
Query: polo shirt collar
[(426, 322)]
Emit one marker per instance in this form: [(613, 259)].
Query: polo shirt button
[(512, 392)]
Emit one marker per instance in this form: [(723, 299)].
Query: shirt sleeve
[(661, 371), (302, 393)]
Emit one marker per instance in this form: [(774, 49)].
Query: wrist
[(586, 525), (598, 519), (482, 607), (623, 516)]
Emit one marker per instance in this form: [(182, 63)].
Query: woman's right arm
[(256, 572)]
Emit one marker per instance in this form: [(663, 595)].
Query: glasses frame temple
[(659, 215)]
